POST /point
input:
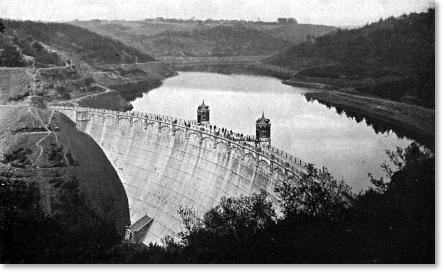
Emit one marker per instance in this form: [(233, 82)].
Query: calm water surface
[(309, 130)]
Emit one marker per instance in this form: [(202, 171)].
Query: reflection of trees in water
[(379, 126), (132, 91), (247, 69)]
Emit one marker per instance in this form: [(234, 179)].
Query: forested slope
[(392, 58), (89, 46)]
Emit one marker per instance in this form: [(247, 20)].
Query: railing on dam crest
[(274, 156)]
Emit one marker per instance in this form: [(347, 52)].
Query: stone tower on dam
[(203, 114), (165, 163)]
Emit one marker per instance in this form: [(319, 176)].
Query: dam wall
[(166, 163)]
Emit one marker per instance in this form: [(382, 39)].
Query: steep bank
[(77, 184), (407, 120), (111, 86), (393, 58), (126, 82)]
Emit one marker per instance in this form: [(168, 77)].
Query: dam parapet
[(275, 155), (166, 163)]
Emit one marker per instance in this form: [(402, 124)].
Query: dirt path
[(75, 101), (48, 131)]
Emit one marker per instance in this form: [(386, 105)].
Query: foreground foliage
[(29, 235)]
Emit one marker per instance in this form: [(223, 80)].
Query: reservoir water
[(308, 130)]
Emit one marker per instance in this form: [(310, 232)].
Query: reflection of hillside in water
[(379, 126)]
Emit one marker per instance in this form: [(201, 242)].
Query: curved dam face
[(164, 164)]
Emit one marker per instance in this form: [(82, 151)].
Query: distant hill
[(215, 41), (392, 58), (296, 33), (89, 46), (167, 38)]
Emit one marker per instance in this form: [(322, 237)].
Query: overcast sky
[(327, 12)]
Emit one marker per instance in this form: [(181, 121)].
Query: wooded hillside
[(392, 58), (89, 46)]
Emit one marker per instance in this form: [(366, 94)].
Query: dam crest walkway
[(275, 157)]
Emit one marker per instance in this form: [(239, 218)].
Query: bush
[(18, 157), (29, 235)]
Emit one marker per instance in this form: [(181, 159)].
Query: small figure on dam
[(263, 130), (203, 114)]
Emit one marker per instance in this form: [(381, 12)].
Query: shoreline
[(407, 120), (294, 83), (121, 84), (121, 95), (411, 121)]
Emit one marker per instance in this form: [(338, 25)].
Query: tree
[(11, 57), (316, 193), (2, 27), (71, 234), (399, 160), (281, 20), (238, 217), (226, 233)]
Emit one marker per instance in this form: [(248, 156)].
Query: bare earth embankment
[(120, 84)]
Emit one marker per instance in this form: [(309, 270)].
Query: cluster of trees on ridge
[(392, 58), (322, 222), (280, 20)]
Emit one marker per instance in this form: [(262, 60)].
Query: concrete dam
[(165, 163)]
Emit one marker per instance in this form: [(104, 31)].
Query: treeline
[(280, 20), (18, 51), (391, 53), (90, 47)]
